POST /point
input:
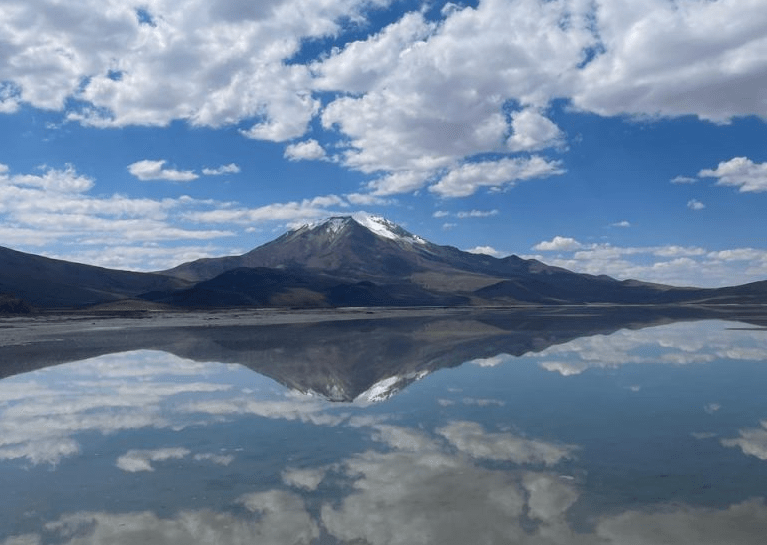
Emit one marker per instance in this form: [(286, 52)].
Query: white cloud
[(671, 59), (623, 223), (55, 208), (441, 98), (470, 177), (406, 181), (532, 131), (196, 62), (365, 199), (487, 250), (476, 214), (683, 180), (695, 204), (153, 170), (558, 244), (360, 65), (309, 150), (669, 264), (292, 212), (52, 180), (231, 168), (739, 172)]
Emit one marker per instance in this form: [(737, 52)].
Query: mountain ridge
[(356, 260)]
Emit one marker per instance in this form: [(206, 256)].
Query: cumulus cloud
[(153, 170), (305, 151), (470, 177), (670, 264), (415, 103), (55, 206), (531, 131), (487, 250), (695, 204), (739, 172), (672, 59), (558, 244), (194, 62)]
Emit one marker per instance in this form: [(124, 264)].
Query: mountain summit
[(361, 244), (361, 247)]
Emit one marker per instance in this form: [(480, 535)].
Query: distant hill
[(53, 283)]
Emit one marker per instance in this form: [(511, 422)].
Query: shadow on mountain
[(342, 360)]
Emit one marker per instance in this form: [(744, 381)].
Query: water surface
[(500, 428)]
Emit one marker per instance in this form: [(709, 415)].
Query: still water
[(504, 428)]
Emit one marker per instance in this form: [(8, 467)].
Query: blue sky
[(607, 136)]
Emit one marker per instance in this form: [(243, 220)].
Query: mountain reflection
[(595, 427), (369, 359)]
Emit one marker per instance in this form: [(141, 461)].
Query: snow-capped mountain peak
[(375, 224)]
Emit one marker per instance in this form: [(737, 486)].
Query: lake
[(541, 426)]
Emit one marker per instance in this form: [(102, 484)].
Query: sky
[(606, 136)]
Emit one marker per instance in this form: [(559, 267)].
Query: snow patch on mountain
[(385, 228), (376, 224), (335, 225)]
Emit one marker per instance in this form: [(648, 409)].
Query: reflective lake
[(607, 426)]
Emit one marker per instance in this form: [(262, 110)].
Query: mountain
[(369, 247), (357, 260), (364, 260), (53, 283)]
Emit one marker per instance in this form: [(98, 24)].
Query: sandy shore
[(15, 330)]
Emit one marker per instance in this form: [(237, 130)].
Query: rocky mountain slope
[(54, 283)]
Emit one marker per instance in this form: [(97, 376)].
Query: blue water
[(656, 435)]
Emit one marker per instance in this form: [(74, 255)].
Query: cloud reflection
[(42, 413), (275, 516), (674, 344), (422, 487), (752, 441)]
